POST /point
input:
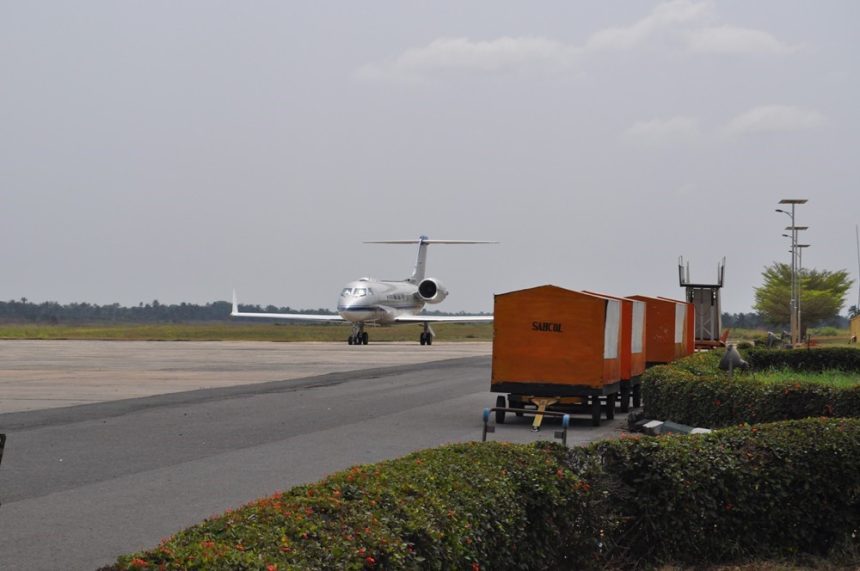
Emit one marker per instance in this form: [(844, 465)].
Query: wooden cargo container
[(633, 345), (556, 343), (668, 334)]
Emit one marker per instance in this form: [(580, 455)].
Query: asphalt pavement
[(81, 485)]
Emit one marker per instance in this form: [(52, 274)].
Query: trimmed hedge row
[(779, 489), (758, 492), (809, 360), (465, 506), (693, 391)]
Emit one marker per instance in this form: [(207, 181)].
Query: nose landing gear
[(359, 336)]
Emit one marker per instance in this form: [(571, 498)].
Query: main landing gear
[(359, 336), (427, 335)]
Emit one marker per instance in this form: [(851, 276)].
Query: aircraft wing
[(444, 319), (286, 316)]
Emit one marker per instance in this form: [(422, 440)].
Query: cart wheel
[(500, 414), (515, 404), (637, 396), (610, 407), (595, 411), (625, 399)]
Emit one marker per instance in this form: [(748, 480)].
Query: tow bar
[(560, 434)]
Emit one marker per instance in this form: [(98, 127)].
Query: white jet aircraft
[(385, 302)]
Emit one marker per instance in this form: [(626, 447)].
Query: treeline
[(23, 311), (754, 320), (750, 320), (56, 313), (153, 312)]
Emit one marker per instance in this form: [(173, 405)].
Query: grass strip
[(238, 331)]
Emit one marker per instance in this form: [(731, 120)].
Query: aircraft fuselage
[(372, 301)]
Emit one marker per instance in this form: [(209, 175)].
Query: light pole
[(792, 314), (800, 248), (794, 289), (796, 315)]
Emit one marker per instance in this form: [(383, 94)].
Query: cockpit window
[(346, 291), (359, 292)]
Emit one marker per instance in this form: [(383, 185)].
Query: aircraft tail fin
[(419, 271), (235, 309)]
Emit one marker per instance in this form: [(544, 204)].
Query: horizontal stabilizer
[(431, 242), (418, 272)]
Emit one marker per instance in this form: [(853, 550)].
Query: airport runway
[(81, 485)]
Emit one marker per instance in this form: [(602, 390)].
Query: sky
[(177, 150)]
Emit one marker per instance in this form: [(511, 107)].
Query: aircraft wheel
[(364, 338), (349, 340), (429, 339)]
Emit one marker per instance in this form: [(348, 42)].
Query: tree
[(822, 294)]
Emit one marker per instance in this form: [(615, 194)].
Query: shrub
[(493, 505), (750, 491), (812, 360), (827, 331), (742, 492), (693, 391)]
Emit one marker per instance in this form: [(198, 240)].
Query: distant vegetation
[(23, 319), (154, 312), (230, 331), (51, 312), (753, 320), (191, 322)]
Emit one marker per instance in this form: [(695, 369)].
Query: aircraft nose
[(347, 309)]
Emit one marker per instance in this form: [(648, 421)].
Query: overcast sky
[(176, 150)]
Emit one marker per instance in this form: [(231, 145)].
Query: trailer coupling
[(559, 434)]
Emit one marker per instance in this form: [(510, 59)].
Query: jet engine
[(431, 290)]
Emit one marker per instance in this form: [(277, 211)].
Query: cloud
[(662, 131), (665, 16), (734, 40), (684, 24), (774, 119), (453, 54)]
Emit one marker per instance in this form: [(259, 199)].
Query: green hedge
[(745, 492), (693, 391), (780, 489), (493, 506), (810, 360)]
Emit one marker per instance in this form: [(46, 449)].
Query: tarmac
[(162, 435), (36, 375)]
